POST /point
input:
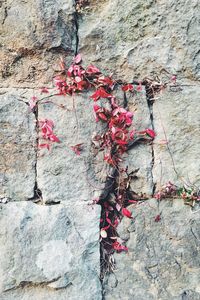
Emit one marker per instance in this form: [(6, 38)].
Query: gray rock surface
[(142, 37), (52, 251), (17, 148), (34, 34), (162, 262), (177, 121), (49, 248), (62, 174)]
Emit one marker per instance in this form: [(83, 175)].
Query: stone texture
[(34, 34), (162, 262), (17, 148), (52, 252), (177, 119), (49, 248), (142, 37), (63, 175), (140, 157)]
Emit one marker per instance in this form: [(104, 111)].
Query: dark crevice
[(76, 19), (5, 15), (29, 284), (150, 101), (125, 104), (37, 196)]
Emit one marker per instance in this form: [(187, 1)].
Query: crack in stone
[(76, 23), (150, 101), (5, 15), (28, 284), (37, 192)]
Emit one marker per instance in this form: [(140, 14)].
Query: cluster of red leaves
[(78, 79), (113, 142), (46, 128), (170, 190), (167, 191)]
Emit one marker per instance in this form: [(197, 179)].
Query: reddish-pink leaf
[(77, 59), (92, 70), (100, 93), (106, 227), (173, 78), (118, 247), (77, 148), (157, 218), (127, 87), (70, 71), (121, 142), (42, 146), (102, 116), (132, 201), (54, 138), (127, 213), (96, 107), (44, 90), (139, 88), (33, 102), (151, 133)]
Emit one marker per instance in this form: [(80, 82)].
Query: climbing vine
[(118, 138)]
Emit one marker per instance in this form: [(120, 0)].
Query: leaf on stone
[(103, 233), (127, 213), (77, 59)]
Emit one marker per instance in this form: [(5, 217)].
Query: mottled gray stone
[(52, 252), (142, 37), (177, 119), (34, 34), (140, 157), (17, 148), (63, 175), (49, 246), (163, 261)]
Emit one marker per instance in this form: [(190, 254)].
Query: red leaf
[(127, 87), (70, 71), (44, 90), (106, 81), (92, 70), (127, 213), (96, 107), (100, 93), (139, 88), (42, 146), (102, 116), (106, 227), (77, 148), (118, 247), (157, 218), (121, 142), (33, 102), (151, 133), (54, 138), (77, 59), (173, 78), (132, 201)]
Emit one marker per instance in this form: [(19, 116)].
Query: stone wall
[(49, 234)]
